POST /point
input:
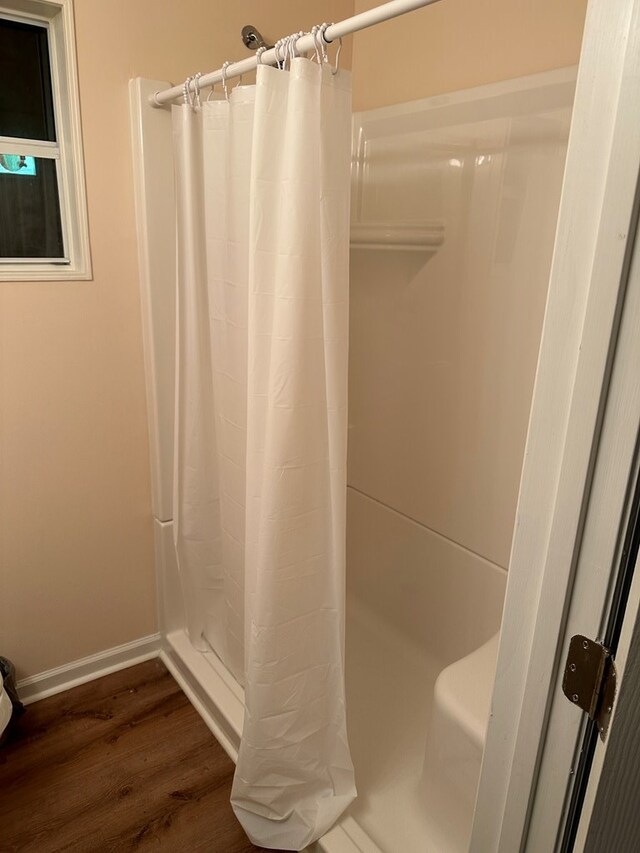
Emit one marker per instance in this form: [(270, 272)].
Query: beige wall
[(76, 561), (456, 44)]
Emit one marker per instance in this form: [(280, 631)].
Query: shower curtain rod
[(385, 12)]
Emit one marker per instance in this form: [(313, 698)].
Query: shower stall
[(443, 346), (454, 207)]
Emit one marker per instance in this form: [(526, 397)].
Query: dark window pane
[(26, 100), (30, 225)]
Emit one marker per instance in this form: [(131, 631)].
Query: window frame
[(67, 150)]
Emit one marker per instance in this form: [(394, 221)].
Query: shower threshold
[(219, 700), (387, 730)]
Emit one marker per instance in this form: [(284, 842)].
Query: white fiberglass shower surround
[(469, 214), (453, 211)]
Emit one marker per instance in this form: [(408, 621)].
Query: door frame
[(609, 818), (585, 307)]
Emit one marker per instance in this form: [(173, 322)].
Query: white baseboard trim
[(208, 687), (87, 669)]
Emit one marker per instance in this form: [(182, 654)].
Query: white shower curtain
[(261, 429)]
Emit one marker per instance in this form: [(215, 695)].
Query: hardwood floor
[(121, 764)]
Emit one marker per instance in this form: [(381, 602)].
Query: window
[(43, 221)]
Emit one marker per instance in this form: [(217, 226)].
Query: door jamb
[(580, 328)]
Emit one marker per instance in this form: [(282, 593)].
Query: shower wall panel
[(444, 343), (439, 597)]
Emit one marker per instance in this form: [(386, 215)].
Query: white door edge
[(596, 211), (631, 616)]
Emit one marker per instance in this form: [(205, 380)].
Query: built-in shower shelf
[(400, 237)]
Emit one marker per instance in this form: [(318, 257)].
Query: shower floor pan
[(414, 793)]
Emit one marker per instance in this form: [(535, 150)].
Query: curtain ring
[(225, 65), (191, 91), (259, 53), (281, 55), (314, 35), (323, 42), (185, 90), (196, 87), (286, 50), (294, 44), (334, 71)]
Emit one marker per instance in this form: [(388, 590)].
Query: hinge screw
[(572, 667), (585, 644), (575, 697)]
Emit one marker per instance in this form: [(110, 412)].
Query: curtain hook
[(259, 53), (196, 86), (191, 91), (286, 51), (291, 49), (334, 71), (294, 44), (185, 90), (314, 35), (225, 65), (281, 51), (281, 55), (323, 41)]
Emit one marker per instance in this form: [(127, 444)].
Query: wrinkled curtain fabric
[(262, 190)]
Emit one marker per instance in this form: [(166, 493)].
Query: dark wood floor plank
[(120, 764), (80, 715)]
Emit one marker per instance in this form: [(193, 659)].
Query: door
[(609, 820), (575, 496)]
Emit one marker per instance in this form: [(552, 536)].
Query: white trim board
[(154, 196), (58, 17), (88, 669), (587, 284)]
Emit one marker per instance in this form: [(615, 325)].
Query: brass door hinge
[(590, 680)]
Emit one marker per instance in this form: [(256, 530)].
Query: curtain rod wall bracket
[(252, 38)]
